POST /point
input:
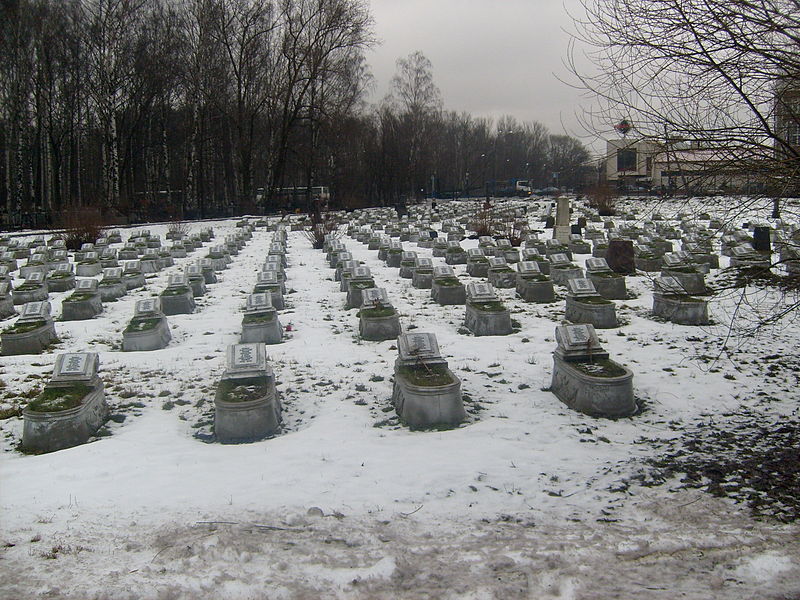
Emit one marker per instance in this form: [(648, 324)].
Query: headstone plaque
[(423, 262), (375, 297), (75, 366), (266, 278), (193, 271), (497, 262), (475, 253), (672, 260), (35, 311), (742, 252), (597, 265), (257, 303), (454, 244), (60, 256), (578, 342), (408, 256), (481, 292), (37, 259), (177, 280), (147, 307), (276, 258), (35, 277), (86, 286), (417, 347), (112, 273), (91, 256), (271, 267), (132, 266), (528, 267), (559, 259), (581, 287), (442, 271), (361, 273)]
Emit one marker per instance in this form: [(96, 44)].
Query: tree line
[(143, 109)]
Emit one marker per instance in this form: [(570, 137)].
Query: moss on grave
[(426, 375), (55, 399)]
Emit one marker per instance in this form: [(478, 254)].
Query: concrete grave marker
[(581, 287)]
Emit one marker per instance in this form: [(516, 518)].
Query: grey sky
[(490, 57)]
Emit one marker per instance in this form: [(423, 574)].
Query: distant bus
[(523, 187)]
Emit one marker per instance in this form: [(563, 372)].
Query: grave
[(692, 280), (111, 286), (246, 404), (84, 303), (90, 265), (61, 279), (360, 280), (33, 289), (217, 256), (6, 301), (585, 305), (455, 254), (148, 329), (165, 259), (477, 263), (377, 319), (562, 270), (207, 267), (446, 289), (500, 274), (178, 298), (422, 275), (645, 259), (586, 379), (440, 246), (485, 313), (70, 409), (194, 274), (267, 282), (344, 272), (260, 322), (36, 263), (609, 285), (280, 277), (532, 285), (394, 254), (149, 262), (407, 262), (32, 332), (671, 302), (426, 393), (577, 245), (132, 275)]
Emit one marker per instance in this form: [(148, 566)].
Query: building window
[(626, 160)]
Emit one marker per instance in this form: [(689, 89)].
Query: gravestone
[(620, 256), (378, 320), (246, 403), (562, 229), (425, 393), (71, 408), (84, 303), (148, 329), (32, 332)]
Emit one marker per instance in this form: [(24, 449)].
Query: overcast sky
[(490, 57)]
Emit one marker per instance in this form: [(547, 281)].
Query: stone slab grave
[(132, 274), (31, 333), (84, 303), (586, 379), (61, 279), (90, 265), (36, 263), (477, 263), (260, 321), (194, 274), (246, 404), (359, 280), (209, 273), (32, 289), (562, 270), (407, 262), (149, 262), (112, 285), (675, 265), (485, 314), (268, 282), (609, 285), (148, 329), (343, 273), (178, 298), (500, 274), (532, 285), (426, 393), (377, 320), (70, 409), (422, 275), (446, 289), (585, 305), (273, 267), (671, 302), (455, 254), (218, 255), (746, 256), (393, 254)]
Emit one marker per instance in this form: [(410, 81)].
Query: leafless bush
[(81, 226), (602, 197), (179, 228), (319, 228)]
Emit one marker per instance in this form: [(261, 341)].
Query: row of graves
[(72, 406), (34, 329)]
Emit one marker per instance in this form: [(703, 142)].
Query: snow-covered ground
[(527, 500)]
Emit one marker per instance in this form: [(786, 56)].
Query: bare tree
[(715, 73)]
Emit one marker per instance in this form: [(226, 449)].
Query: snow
[(527, 500)]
